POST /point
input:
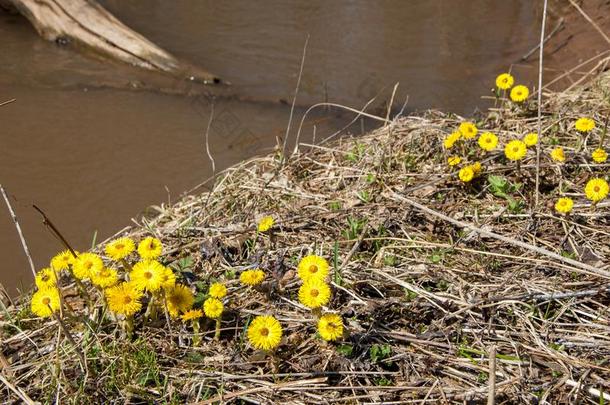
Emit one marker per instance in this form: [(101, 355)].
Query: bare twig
[(538, 144), (597, 28), (491, 397), (8, 102), (207, 140), (18, 227)]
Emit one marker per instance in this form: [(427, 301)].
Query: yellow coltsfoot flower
[(192, 314), (519, 93), (217, 290), (313, 267), (596, 189), (468, 130), (515, 150), (105, 278), (564, 205), (45, 302), (466, 173), (454, 160), (124, 299), (252, 277), (451, 139), (505, 81), (330, 327), (265, 223), (86, 264), (558, 155), (488, 141), (530, 139), (46, 278), (179, 299), (584, 125), (213, 308), (150, 248), (599, 155), (148, 275), (62, 260), (120, 248), (314, 293), (265, 332)]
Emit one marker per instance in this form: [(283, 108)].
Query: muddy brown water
[(84, 144)]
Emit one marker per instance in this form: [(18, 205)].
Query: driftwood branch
[(87, 24), (18, 227)]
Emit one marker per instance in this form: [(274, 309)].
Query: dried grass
[(425, 301)]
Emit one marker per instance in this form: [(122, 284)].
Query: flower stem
[(217, 334), (196, 337)]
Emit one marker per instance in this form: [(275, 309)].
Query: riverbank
[(446, 288)]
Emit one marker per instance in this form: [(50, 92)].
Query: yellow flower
[(150, 248), (515, 150), (564, 205), (218, 290), (451, 139), (466, 174), (265, 332), (557, 154), (505, 81), (46, 278), (45, 301), (599, 155), (120, 248), (453, 160), (87, 264), (519, 93), (105, 277), (488, 141), (213, 308), (476, 168), (179, 299), (584, 125), (314, 293), (330, 326), (168, 278), (265, 223), (530, 139), (596, 189), (468, 130), (147, 275), (124, 299), (313, 266), (62, 260), (192, 315), (252, 277)]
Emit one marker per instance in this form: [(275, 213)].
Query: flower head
[(468, 130), (330, 326), (192, 315), (45, 301), (314, 293), (488, 141), (62, 260), (596, 189), (168, 278), (265, 332), (451, 139), (217, 290), (519, 93), (515, 150), (505, 81), (179, 299), (466, 174), (147, 275), (454, 160), (530, 139), (313, 267), (584, 125), (87, 264), (213, 308), (564, 205), (105, 277), (120, 248), (124, 299), (150, 248), (252, 277), (599, 155), (46, 278), (558, 155), (265, 223)]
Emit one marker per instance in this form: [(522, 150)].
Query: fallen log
[(87, 24)]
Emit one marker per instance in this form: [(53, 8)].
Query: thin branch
[(8, 102), (540, 105), (581, 11), (18, 227)]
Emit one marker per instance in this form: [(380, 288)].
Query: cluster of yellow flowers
[(518, 93)]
